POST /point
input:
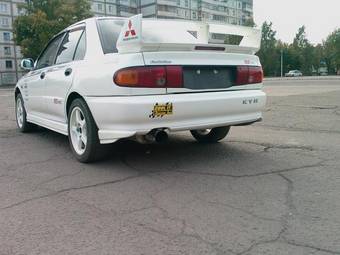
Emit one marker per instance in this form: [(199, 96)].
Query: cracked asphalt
[(270, 188)]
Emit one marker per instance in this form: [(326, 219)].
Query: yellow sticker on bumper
[(161, 110)]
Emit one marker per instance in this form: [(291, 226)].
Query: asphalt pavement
[(271, 188)]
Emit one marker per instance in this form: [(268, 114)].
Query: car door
[(59, 77), (35, 80)]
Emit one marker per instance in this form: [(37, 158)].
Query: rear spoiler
[(140, 35)]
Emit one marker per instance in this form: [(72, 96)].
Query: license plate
[(208, 77), (161, 110)]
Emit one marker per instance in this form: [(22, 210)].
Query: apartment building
[(225, 11), (123, 8), (10, 55)]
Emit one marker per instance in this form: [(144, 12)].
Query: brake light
[(242, 73), (150, 77), (174, 75), (214, 48), (248, 75)]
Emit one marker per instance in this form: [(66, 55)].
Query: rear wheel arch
[(71, 97), (90, 149)]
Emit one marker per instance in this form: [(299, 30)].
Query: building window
[(3, 7), (4, 22), (7, 50), (100, 7), (9, 64), (7, 36)]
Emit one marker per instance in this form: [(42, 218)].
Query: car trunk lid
[(205, 71), (209, 54)]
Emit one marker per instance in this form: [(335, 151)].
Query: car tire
[(83, 133), (21, 115), (210, 135)]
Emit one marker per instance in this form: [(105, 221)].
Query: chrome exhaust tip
[(161, 136), (154, 136)]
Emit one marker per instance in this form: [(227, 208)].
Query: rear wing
[(140, 35)]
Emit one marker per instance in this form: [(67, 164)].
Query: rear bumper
[(121, 117)]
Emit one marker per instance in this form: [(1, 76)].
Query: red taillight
[(248, 75), (174, 77), (242, 73), (150, 77), (255, 74)]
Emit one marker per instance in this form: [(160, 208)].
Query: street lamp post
[(281, 62)]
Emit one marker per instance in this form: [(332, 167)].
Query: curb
[(315, 78)]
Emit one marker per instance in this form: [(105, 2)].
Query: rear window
[(109, 30)]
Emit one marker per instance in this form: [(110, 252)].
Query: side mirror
[(27, 64)]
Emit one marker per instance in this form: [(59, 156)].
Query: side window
[(48, 56), (81, 48), (109, 30), (68, 47)]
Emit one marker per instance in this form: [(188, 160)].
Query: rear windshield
[(109, 30)]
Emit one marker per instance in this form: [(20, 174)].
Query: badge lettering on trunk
[(251, 101)]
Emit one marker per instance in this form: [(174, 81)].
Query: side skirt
[(49, 124)]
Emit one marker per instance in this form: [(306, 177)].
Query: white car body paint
[(122, 112)]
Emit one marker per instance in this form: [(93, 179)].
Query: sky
[(320, 17)]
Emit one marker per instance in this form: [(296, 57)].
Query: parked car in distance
[(294, 73), (109, 78), (323, 71)]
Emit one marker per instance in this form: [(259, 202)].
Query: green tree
[(318, 57), (284, 48), (300, 54), (43, 19), (332, 51), (268, 53), (302, 51), (300, 40)]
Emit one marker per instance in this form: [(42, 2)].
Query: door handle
[(42, 75), (68, 71)]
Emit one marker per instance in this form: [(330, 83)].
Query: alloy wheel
[(20, 113), (78, 130)]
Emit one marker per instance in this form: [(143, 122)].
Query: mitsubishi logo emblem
[(132, 31)]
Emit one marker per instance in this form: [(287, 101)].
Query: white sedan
[(105, 79), (294, 73)]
